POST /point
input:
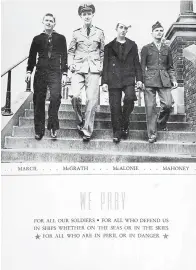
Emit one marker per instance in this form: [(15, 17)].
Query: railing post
[(28, 88), (7, 111), (139, 97), (63, 92), (99, 98), (67, 92), (67, 88)]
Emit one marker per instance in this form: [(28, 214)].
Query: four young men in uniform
[(87, 58)]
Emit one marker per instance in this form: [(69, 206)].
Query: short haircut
[(51, 15)]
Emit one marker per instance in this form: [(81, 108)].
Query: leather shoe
[(165, 129), (116, 140), (53, 134), (125, 133), (86, 138), (152, 139), (38, 137), (79, 128)]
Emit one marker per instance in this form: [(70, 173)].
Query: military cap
[(156, 25), (86, 7), (123, 22)]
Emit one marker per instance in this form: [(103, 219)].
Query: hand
[(175, 85), (64, 80), (27, 77), (72, 68), (105, 87), (139, 85)]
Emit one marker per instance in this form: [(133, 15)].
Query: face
[(158, 33), (121, 30), (87, 17), (49, 23)]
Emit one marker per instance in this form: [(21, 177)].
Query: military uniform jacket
[(117, 73), (39, 46), (87, 52), (157, 66)]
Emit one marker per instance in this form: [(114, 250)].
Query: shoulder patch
[(77, 29)]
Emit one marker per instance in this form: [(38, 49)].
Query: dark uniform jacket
[(58, 59), (157, 66), (117, 73)]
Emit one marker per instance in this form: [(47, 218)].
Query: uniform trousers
[(120, 114), (42, 80), (90, 82), (166, 101)]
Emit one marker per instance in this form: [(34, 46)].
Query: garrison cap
[(156, 25), (123, 22), (86, 7)]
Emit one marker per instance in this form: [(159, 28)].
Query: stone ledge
[(190, 53), (18, 108)]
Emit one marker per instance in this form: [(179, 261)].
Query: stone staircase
[(177, 145)]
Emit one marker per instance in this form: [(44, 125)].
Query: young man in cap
[(159, 76), (121, 68), (85, 58), (51, 70)]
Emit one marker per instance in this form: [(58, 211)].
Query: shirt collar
[(85, 27), (50, 34), (121, 43), (157, 44)]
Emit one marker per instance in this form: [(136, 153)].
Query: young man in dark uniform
[(51, 69), (121, 68), (159, 76)]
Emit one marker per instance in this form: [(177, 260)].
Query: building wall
[(189, 75), (177, 46)]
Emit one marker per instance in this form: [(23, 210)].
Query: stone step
[(100, 108), (107, 116), (106, 146), (107, 134), (105, 124), (52, 155)]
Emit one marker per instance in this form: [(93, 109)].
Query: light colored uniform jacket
[(87, 52)]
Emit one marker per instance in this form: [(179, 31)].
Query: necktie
[(88, 30), (49, 46)]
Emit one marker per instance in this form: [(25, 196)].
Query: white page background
[(26, 198)]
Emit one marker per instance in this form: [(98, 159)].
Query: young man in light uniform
[(85, 58)]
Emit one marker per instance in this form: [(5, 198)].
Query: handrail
[(14, 66), (6, 110)]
